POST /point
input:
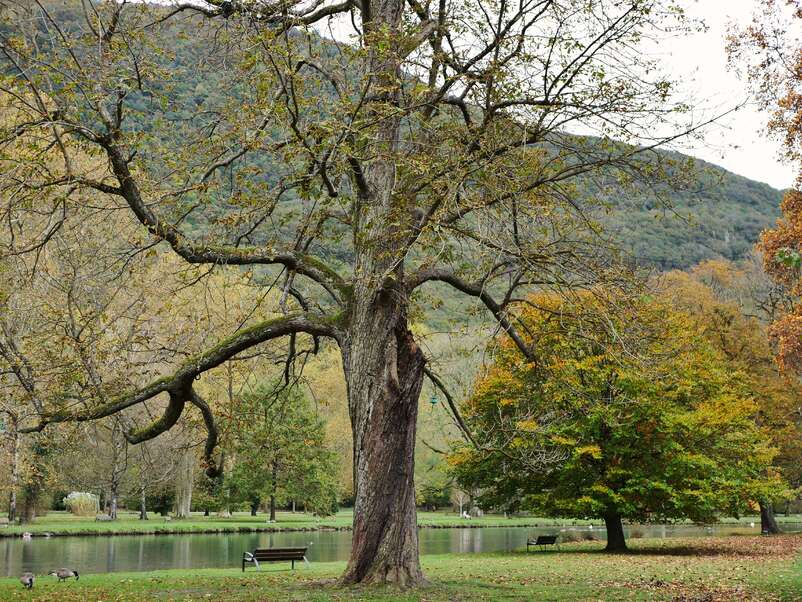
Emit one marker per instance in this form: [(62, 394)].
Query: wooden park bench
[(274, 555), (542, 541)]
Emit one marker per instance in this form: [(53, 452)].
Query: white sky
[(700, 63)]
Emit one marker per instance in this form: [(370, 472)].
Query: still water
[(150, 552)]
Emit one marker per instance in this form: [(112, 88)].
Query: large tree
[(733, 306), (428, 142), (279, 452), (628, 415)]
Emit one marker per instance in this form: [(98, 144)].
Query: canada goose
[(64, 574), (27, 580)]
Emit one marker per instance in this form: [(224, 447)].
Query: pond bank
[(61, 524), (243, 529)]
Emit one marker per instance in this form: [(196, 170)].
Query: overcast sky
[(700, 63)]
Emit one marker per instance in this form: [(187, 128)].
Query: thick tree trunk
[(32, 492), (383, 365), (615, 533), (384, 372), (768, 524)]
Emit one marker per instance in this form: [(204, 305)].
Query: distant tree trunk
[(14, 484), (293, 506), (274, 478), (254, 507), (615, 533), (184, 484), (32, 492), (206, 511), (225, 462), (119, 464), (113, 503), (34, 485), (768, 524), (143, 508)]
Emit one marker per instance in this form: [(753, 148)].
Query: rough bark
[(768, 524), (615, 533), (384, 371), (32, 492)]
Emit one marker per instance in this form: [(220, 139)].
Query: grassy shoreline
[(61, 524), (710, 569), (57, 524)]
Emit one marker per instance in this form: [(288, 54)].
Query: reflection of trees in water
[(111, 555), (141, 556), (132, 553), (9, 568)]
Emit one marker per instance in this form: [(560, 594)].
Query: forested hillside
[(722, 218), (711, 213)]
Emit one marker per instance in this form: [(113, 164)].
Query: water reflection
[(150, 552)]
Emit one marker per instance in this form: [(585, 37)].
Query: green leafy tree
[(278, 443), (660, 427)]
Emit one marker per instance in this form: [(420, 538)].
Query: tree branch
[(179, 384), (300, 263), (475, 289)]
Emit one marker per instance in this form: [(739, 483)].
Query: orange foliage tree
[(769, 53), (730, 309)]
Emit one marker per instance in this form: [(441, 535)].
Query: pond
[(150, 552)]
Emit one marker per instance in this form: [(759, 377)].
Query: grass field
[(62, 523), (712, 569)]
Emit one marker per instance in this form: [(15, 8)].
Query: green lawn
[(65, 523), (726, 568)]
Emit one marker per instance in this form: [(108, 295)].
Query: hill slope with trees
[(712, 213)]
